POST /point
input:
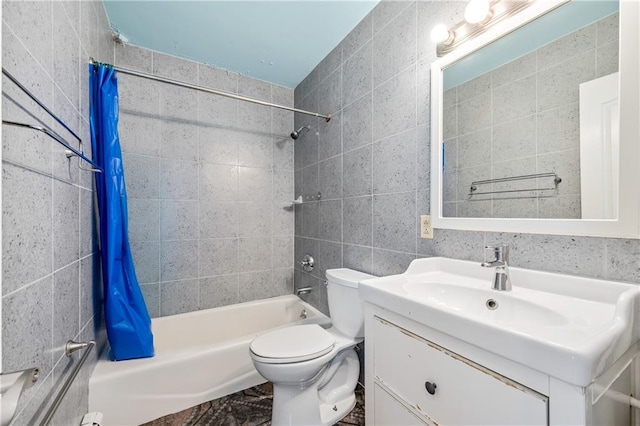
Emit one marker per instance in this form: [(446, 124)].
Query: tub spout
[(304, 290)]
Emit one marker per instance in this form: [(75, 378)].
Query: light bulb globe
[(476, 11), (440, 33)]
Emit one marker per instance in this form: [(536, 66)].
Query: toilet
[(315, 371)]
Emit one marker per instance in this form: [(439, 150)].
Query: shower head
[(296, 133)]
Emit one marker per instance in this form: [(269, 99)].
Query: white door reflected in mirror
[(600, 147)]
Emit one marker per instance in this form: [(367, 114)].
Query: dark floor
[(251, 407)]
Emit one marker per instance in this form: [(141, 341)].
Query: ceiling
[(276, 41)]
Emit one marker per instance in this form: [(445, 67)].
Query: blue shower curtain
[(126, 316)]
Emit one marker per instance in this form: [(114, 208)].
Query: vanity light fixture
[(479, 16)]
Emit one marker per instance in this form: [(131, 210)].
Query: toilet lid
[(294, 344)]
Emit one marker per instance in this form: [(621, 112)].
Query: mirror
[(532, 126)]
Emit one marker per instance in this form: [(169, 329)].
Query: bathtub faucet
[(303, 290)]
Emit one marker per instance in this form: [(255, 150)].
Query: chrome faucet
[(501, 281)]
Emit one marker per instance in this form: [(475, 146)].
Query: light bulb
[(440, 33), (477, 11)]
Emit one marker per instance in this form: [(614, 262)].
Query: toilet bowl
[(315, 371)]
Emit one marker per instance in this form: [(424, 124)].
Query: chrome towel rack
[(475, 184), (70, 348), (47, 131)]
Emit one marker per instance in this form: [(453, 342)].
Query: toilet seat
[(292, 344)]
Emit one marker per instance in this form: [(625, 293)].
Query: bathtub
[(200, 356)]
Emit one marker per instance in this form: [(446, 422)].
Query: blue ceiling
[(276, 41)]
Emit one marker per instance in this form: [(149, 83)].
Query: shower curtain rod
[(327, 117)]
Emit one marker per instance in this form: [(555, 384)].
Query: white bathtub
[(200, 356)]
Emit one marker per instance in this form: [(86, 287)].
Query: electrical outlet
[(426, 231)]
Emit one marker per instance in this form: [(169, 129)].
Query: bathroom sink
[(569, 327), (508, 309)]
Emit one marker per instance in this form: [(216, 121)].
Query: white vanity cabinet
[(416, 375)]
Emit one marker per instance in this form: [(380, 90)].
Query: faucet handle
[(501, 252)]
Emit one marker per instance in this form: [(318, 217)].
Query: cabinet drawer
[(464, 393), (389, 412)]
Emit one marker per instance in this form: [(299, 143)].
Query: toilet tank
[(345, 306)]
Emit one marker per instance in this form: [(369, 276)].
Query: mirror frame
[(627, 225)]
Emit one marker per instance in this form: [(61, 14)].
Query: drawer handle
[(431, 387)]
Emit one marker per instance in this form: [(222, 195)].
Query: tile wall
[(51, 286), (210, 184), (523, 118), (371, 163)]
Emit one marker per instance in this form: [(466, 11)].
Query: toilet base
[(293, 406), (324, 400)]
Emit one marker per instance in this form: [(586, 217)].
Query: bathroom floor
[(251, 407)]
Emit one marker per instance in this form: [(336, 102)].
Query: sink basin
[(569, 327), (508, 309)]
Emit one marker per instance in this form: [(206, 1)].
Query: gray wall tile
[(357, 37), (567, 47), (580, 255), (357, 74), (330, 178), (394, 163), (358, 258), (177, 179), (66, 311), (27, 236), (27, 328), (143, 176), (144, 219), (178, 220), (282, 251), (151, 294), (330, 136), (177, 297), (260, 285), (330, 220), (139, 134), (357, 219), (357, 125), (218, 257), (66, 247), (255, 253), (255, 220), (177, 260), (218, 291), (394, 104), (623, 260), (175, 68), (186, 133), (146, 259), (218, 219), (133, 57), (254, 184), (394, 224), (218, 182), (394, 47), (387, 262), (357, 172), (329, 257), (558, 85), (514, 100)]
